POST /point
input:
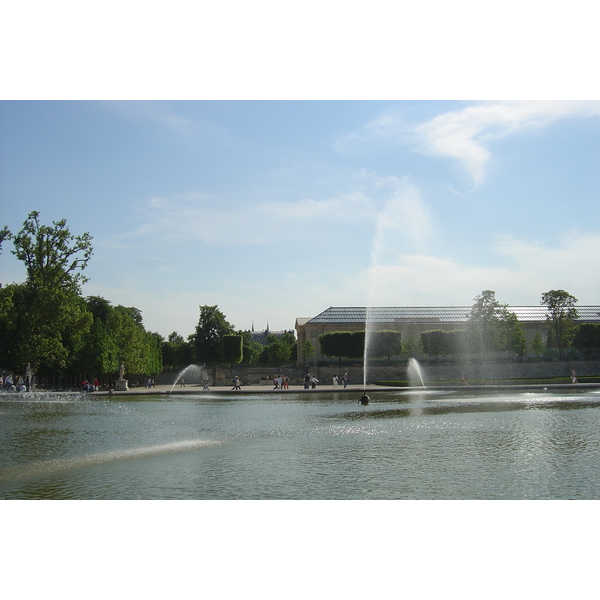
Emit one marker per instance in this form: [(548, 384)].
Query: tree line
[(215, 341), (46, 322)]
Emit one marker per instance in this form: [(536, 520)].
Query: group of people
[(336, 381), (281, 383), (90, 386), (16, 383), (310, 381)]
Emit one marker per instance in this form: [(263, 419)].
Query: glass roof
[(436, 314)]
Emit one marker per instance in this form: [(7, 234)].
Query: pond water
[(416, 445)]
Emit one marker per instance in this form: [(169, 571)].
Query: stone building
[(412, 321)]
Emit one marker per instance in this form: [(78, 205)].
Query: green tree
[(307, 350), (510, 332), (212, 326), (44, 327), (154, 363), (5, 234), (410, 346), (537, 344), (278, 351), (251, 349), (436, 342), (177, 352), (130, 340), (587, 339), (175, 338), (561, 318), (385, 344), (356, 348), (348, 344), (50, 318), (334, 344), (483, 322), (54, 258), (232, 350)]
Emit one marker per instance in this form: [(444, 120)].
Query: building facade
[(412, 321)]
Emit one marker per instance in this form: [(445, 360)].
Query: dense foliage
[(561, 318), (232, 349), (46, 322), (348, 344)]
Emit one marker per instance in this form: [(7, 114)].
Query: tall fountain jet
[(401, 229)]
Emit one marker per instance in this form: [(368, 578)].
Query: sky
[(274, 210), (275, 164)]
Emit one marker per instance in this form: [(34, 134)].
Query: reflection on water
[(418, 445)]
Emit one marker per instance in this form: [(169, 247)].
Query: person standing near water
[(574, 377), (335, 381), (345, 379)]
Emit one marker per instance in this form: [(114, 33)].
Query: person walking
[(345, 379), (335, 381)]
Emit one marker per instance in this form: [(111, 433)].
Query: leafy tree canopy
[(53, 256), (561, 317), (212, 326)]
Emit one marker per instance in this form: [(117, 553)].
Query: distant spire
[(267, 326), (252, 325)]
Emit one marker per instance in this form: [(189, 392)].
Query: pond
[(417, 444)]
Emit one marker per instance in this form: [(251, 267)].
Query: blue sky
[(279, 209)]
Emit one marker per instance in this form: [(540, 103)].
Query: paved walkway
[(227, 389)]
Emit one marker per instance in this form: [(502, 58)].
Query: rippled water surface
[(416, 445)]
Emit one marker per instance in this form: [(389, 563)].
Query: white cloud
[(464, 135)]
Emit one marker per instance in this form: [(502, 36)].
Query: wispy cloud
[(211, 220), (465, 135), (418, 279), (167, 115)]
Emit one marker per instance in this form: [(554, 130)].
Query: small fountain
[(193, 373), (415, 374)]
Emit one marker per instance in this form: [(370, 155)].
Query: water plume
[(403, 227)]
